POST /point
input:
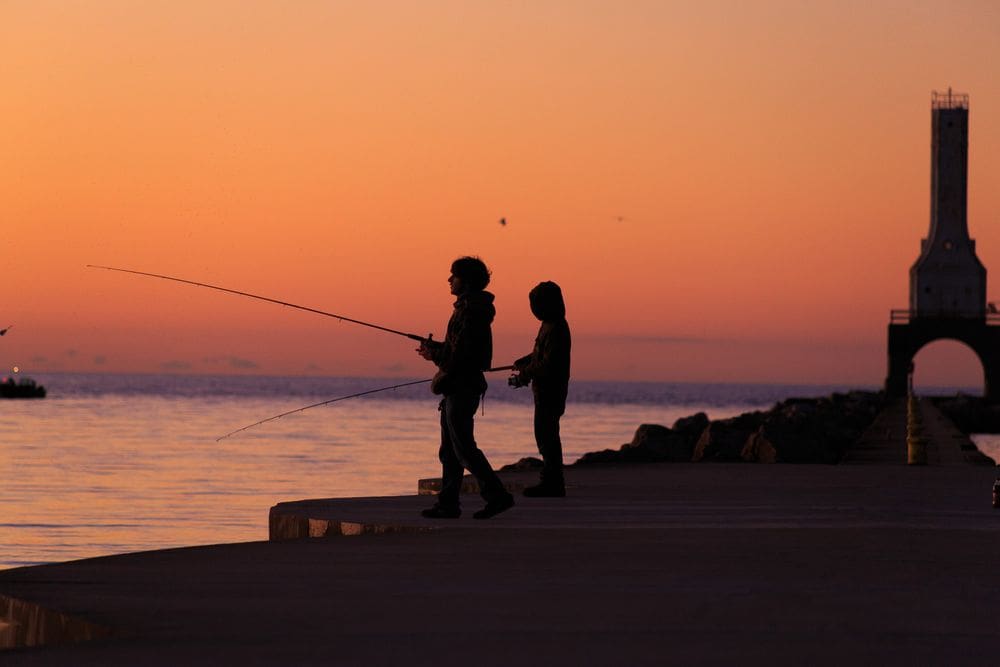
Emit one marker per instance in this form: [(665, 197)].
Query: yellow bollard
[(916, 450)]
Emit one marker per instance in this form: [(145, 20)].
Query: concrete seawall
[(646, 564), (28, 624)]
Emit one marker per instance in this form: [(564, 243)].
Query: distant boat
[(23, 388)]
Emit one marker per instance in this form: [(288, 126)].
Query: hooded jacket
[(467, 349), (548, 364)]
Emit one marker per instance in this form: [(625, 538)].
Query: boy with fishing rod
[(546, 369), (461, 358), (458, 357)]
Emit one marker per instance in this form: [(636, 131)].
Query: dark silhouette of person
[(547, 370), (461, 358)]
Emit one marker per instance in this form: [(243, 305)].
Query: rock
[(603, 456), (723, 440), (816, 430), (651, 436), (527, 463), (971, 414), (797, 430), (758, 449), (654, 443), (659, 443), (691, 427)]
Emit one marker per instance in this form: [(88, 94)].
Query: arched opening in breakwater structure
[(945, 367), (908, 336)]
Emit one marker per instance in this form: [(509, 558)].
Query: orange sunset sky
[(726, 191)]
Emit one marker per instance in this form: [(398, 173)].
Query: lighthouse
[(948, 280)]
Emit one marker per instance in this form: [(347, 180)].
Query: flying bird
[(503, 222)]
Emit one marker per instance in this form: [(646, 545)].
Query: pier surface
[(641, 564), (884, 442)]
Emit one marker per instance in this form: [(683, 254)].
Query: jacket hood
[(547, 302), (479, 301)]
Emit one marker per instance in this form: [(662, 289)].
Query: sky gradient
[(726, 191)]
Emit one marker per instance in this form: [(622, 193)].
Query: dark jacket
[(467, 349), (548, 364)]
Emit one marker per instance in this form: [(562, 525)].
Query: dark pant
[(548, 441), (459, 452)]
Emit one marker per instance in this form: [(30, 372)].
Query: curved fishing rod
[(342, 318), (341, 398)]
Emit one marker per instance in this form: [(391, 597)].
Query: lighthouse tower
[(948, 280)]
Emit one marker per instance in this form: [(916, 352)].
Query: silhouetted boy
[(461, 358), (547, 369)]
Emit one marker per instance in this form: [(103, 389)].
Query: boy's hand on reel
[(428, 347)]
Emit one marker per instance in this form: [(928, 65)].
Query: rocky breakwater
[(970, 414), (797, 430)]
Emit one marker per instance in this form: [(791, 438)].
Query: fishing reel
[(517, 381)]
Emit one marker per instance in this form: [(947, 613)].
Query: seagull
[(503, 222)]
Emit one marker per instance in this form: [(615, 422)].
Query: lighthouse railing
[(905, 316)]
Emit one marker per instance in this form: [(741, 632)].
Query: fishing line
[(342, 318), (316, 405), (342, 398)]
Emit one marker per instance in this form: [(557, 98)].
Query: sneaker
[(544, 490), (439, 512), (494, 507)]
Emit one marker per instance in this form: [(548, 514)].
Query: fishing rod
[(342, 318), (342, 398), (3, 332)]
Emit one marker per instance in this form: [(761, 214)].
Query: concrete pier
[(884, 442), (642, 564)]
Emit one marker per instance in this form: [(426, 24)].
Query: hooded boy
[(547, 370), (461, 358)]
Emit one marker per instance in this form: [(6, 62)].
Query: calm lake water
[(116, 463)]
